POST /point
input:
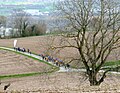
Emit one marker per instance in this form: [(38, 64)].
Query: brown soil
[(40, 45), (70, 82), (55, 82), (12, 63)]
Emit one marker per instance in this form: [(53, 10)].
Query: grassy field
[(112, 63)]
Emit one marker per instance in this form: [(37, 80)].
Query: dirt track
[(70, 82), (37, 44), (40, 44), (55, 82)]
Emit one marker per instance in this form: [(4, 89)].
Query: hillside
[(12, 63), (40, 45), (57, 82)]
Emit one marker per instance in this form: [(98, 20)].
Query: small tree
[(36, 29), (95, 33), (40, 29)]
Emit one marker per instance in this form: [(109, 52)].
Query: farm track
[(12, 63), (71, 82), (61, 69)]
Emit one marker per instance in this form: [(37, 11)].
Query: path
[(61, 69)]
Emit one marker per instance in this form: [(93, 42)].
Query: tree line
[(22, 24)]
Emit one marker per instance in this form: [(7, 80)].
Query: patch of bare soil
[(12, 63), (70, 82)]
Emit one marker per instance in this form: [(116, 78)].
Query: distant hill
[(6, 6)]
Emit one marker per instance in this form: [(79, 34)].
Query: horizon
[(7, 7)]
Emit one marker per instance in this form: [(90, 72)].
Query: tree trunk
[(93, 81), (93, 78)]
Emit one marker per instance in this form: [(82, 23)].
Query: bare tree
[(20, 21), (95, 33), (40, 29), (36, 29)]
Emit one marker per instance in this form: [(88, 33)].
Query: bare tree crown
[(95, 32)]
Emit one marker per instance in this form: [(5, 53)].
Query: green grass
[(112, 63), (18, 75), (26, 74), (106, 66)]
